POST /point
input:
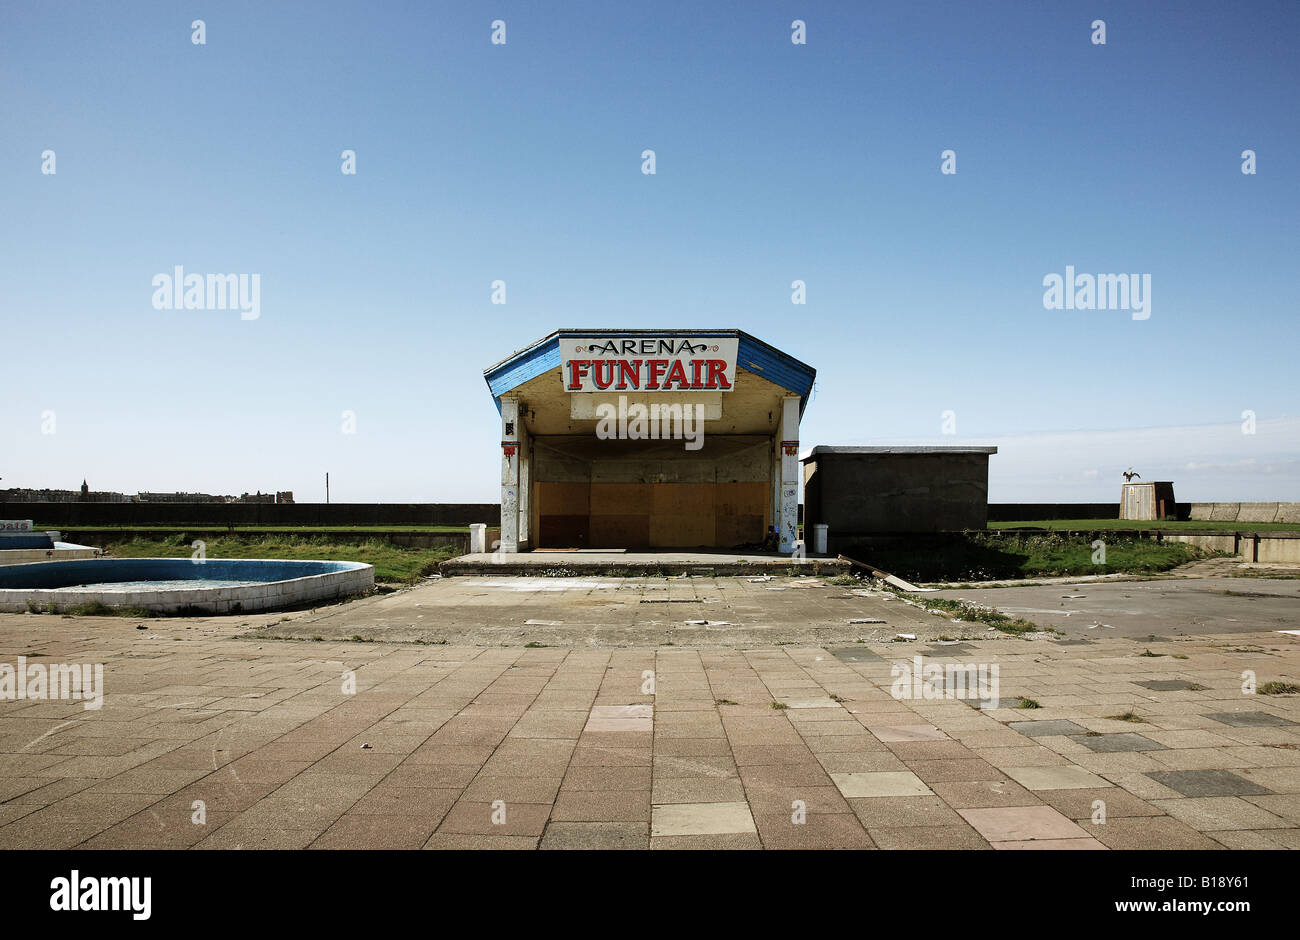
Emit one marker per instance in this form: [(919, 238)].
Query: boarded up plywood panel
[(738, 530), (740, 513), (564, 499), (680, 530), (621, 498), (614, 531), (557, 531), (692, 499), (741, 498), (650, 515)]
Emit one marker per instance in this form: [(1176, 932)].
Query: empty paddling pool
[(180, 585)]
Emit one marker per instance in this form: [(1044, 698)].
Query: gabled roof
[(754, 356)]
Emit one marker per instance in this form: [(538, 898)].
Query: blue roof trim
[(753, 355), (776, 367), (537, 359)]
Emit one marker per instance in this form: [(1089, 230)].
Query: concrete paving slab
[(1252, 720), (1117, 742), (1035, 729), (1022, 824), (881, 783), (701, 819), (1063, 777), (1203, 783)]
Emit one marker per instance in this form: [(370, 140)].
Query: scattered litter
[(906, 636), (766, 577), (708, 623), (1073, 596), (774, 589), (367, 747), (542, 623), (866, 620), (140, 626)]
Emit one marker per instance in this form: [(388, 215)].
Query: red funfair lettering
[(603, 373), (656, 369), (629, 368), (676, 374), (577, 372), (718, 374)]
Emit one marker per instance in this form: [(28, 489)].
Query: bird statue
[(1129, 475)]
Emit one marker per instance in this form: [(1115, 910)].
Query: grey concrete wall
[(857, 494), (1245, 512), (457, 540), (69, 515), (1038, 512), (1281, 548), (722, 459)]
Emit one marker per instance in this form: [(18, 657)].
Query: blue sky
[(521, 162)]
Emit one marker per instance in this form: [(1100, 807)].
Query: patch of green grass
[(1278, 688), (1164, 525), (973, 557), (531, 645), (960, 610), (844, 580), (392, 562), (358, 638), (725, 701), (1127, 716), (100, 609), (779, 705), (1023, 702)]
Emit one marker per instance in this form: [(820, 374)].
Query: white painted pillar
[(788, 449), (525, 487), (509, 476), (774, 516)]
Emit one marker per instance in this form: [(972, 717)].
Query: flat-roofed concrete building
[(649, 439), (860, 491)]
